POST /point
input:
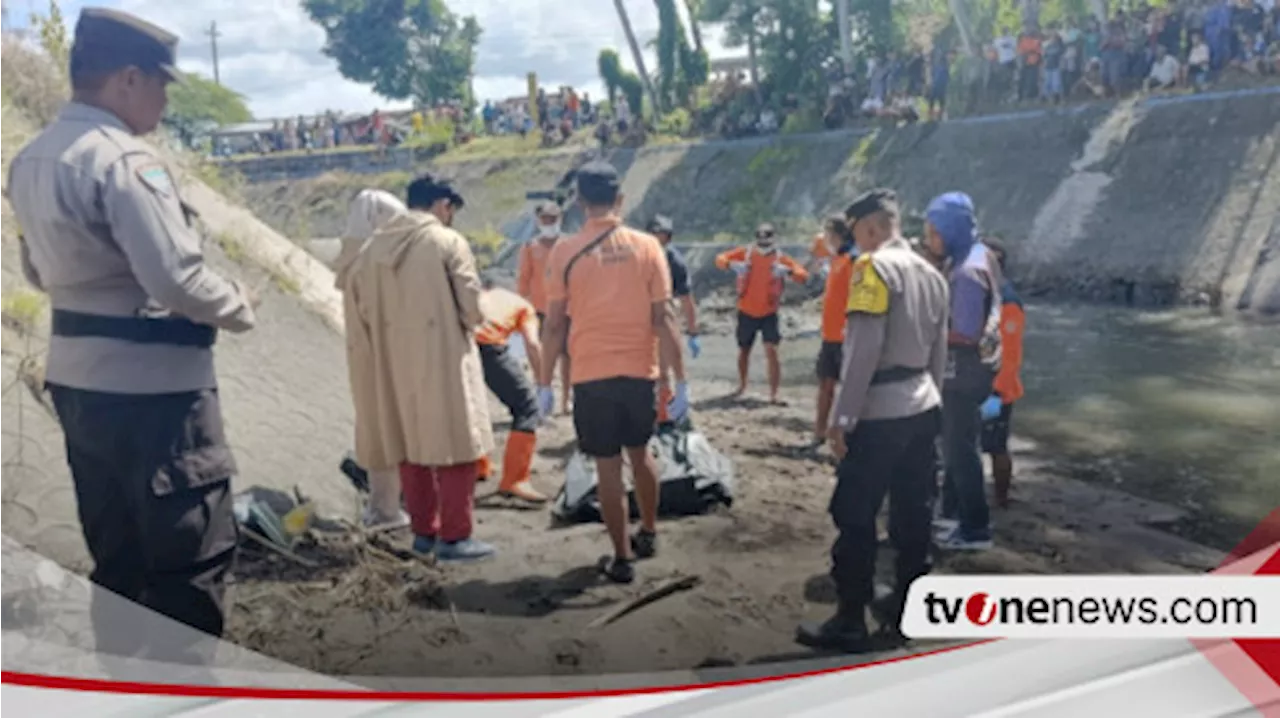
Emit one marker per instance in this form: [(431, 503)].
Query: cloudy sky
[(269, 50)]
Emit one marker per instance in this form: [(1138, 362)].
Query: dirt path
[(763, 567)]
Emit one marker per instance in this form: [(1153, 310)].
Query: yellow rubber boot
[(516, 466)]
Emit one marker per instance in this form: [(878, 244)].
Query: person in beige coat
[(413, 296), (370, 209)]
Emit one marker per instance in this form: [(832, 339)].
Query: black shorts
[(995, 432), (766, 327), (830, 358), (612, 414)]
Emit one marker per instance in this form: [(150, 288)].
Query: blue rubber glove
[(546, 401), (991, 407), (678, 408), (695, 346)]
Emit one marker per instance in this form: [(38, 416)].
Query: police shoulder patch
[(156, 178), (868, 292)]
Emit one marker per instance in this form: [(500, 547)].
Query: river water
[(1177, 405), (1180, 406)]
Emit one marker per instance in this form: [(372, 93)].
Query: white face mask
[(549, 231)]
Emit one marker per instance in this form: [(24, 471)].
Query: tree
[(681, 68), (610, 67), (617, 79), (692, 7), (52, 31), (405, 48), (873, 22), (670, 37), (739, 20), (787, 39), (200, 99)]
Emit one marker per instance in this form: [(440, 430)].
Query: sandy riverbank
[(763, 567)]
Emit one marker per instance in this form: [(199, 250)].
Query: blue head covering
[(952, 215)]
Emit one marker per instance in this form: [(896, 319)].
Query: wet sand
[(762, 565)]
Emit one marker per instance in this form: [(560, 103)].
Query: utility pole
[(960, 11), (213, 34), (846, 40)]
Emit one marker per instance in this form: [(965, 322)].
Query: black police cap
[(661, 224), (107, 40), (598, 180), (877, 200), (427, 189)]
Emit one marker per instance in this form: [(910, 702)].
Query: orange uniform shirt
[(1008, 383), (760, 293), (610, 294), (505, 313), (1030, 48), (835, 298), (531, 277)]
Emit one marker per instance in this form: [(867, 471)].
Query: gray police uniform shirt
[(898, 307), (105, 232)]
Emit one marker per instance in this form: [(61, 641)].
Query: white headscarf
[(370, 209)]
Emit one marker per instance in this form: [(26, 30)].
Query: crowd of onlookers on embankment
[(559, 116), (1186, 44)]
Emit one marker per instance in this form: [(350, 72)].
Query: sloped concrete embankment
[(1186, 207), (1152, 201), (316, 208), (283, 386)]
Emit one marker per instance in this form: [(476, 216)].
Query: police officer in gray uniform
[(886, 423), (135, 315)]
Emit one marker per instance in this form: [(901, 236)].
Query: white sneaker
[(953, 541), (943, 526), (374, 521)]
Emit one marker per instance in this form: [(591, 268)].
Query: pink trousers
[(439, 499)]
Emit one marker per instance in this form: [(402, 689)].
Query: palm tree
[(691, 7), (639, 59)]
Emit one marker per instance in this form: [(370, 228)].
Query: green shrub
[(486, 243), (676, 122), (802, 122), (22, 309)]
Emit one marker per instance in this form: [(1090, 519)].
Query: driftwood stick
[(264, 541), (384, 555), (673, 586), (453, 613)]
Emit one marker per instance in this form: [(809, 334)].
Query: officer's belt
[(895, 373), (140, 330)]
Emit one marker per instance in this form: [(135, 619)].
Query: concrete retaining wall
[(1155, 201)]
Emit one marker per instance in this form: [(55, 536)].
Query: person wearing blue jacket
[(973, 359)]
